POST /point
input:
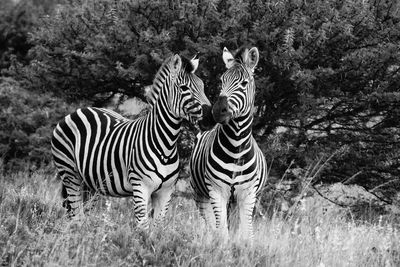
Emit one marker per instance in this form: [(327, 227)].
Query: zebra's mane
[(155, 88)]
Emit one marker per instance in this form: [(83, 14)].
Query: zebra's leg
[(64, 195), (206, 211), (141, 196), (160, 201), (72, 193), (246, 203), (219, 205)]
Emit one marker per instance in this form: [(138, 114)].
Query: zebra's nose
[(221, 106), (220, 111), (207, 121)]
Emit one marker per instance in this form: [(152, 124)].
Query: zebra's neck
[(163, 125), (159, 83), (238, 133)]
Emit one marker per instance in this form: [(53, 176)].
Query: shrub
[(27, 121)]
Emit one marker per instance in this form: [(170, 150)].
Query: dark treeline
[(328, 78)]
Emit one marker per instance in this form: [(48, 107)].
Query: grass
[(34, 231)]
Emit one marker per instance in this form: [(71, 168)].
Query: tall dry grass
[(34, 231)]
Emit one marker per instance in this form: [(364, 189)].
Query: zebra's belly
[(117, 180), (111, 185), (155, 178), (152, 171), (233, 178)]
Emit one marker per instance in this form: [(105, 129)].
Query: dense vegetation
[(27, 122), (328, 80)]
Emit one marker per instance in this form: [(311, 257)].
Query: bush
[(27, 121)]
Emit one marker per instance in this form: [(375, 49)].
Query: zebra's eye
[(244, 83), (184, 88)]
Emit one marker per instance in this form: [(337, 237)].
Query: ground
[(35, 231)]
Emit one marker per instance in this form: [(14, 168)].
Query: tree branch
[(330, 200)]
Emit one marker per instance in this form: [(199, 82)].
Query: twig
[(330, 200), (347, 206), (381, 199), (347, 180), (382, 185)]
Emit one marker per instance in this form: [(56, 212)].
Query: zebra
[(99, 150), (227, 166)]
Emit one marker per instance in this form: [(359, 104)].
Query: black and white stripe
[(226, 163), (99, 150)]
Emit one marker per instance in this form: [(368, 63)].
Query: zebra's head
[(238, 88), (189, 100)]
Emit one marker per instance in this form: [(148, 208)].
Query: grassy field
[(34, 231)]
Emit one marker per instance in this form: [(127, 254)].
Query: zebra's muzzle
[(221, 111), (207, 121)]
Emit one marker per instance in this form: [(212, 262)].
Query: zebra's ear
[(251, 59), (228, 58), (176, 64), (195, 62)]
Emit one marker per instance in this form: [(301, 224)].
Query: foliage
[(16, 21), (14, 26), (27, 121), (328, 78), (95, 49), (335, 80)]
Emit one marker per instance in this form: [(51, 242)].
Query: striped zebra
[(227, 166), (98, 150)]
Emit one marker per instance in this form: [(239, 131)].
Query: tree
[(328, 78), (335, 85)]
